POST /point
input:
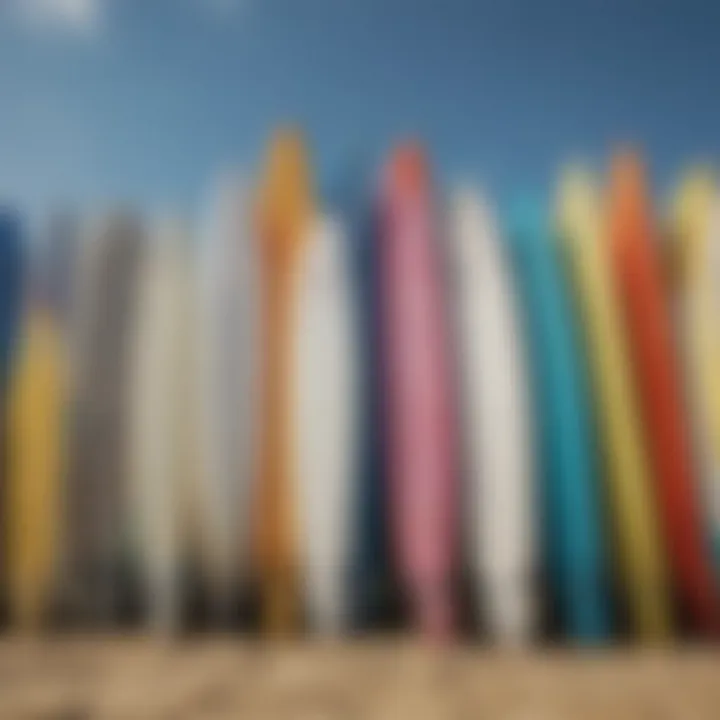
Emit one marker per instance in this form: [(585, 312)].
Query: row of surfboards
[(510, 422)]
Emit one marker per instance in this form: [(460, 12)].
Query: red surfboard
[(637, 267)]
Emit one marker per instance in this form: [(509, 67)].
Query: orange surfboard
[(284, 214)]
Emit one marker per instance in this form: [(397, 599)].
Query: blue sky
[(145, 100)]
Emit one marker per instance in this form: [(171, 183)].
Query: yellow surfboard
[(35, 459), (696, 284), (284, 213), (642, 572)]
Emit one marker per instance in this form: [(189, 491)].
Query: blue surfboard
[(369, 571), (11, 300), (572, 526), (11, 288)]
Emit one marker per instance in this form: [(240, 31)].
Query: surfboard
[(96, 541), (714, 262), (284, 213), (11, 291), (499, 451), (370, 580), (696, 242), (228, 295), (636, 267), (422, 448), (324, 386), (571, 512), (638, 552), (36, 407), (11, 284), (73, 598), (156, 412)]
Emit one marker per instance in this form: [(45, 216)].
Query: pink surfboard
[(422, 438)]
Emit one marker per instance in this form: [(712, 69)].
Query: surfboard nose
[(628, 184), (409, 171)]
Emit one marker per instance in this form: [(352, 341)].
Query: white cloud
[(85, 17), (79, 16)]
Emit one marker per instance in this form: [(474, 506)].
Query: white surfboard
[(498, 445), (228, 342), (325, 421), (158, 416)]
